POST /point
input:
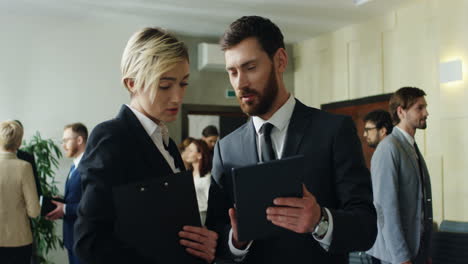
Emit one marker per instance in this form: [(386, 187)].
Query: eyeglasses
[(367, 129), (65, 140)]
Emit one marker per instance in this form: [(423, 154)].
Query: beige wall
[(402, 48)]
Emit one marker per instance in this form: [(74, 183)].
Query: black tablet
[(150, 215), (255, 188)]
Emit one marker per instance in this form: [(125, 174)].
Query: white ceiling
[(298, 19)]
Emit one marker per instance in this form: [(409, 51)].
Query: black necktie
[(265, 143)]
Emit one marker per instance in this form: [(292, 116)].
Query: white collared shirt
[(280, 121), (154, 131), (77, 160), (410, 140)]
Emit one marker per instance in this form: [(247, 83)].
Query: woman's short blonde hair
[(150, 53), (11, 134)]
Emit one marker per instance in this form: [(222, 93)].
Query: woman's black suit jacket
[(119, 151)]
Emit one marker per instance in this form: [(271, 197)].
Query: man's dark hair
[(380, 118), (404, 97), (210, 131), (79, 129), (266, 32)]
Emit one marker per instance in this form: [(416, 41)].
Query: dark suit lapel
[(249, 143), (144, 144), (300, 119), (174, 151)]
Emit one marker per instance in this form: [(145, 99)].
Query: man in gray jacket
[(401, 184)]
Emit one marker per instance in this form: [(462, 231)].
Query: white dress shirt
[(202, 188), (155, 132), (410, 140), (280, 121)]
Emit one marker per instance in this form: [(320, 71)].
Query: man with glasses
[(378, 124), (73, 142)]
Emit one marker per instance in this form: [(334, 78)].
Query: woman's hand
[(199, 242)]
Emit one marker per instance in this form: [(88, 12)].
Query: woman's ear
[(130, 84)]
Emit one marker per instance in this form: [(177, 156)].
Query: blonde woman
[(134, 146), (18, 198)]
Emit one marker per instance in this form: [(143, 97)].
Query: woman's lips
[(173, 110)]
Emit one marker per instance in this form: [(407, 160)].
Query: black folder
[(255, 188), (151, 213), (47, 205)]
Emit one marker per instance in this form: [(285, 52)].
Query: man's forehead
[(369, 124)]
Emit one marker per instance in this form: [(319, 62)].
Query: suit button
[(429, 200), (142, 189)]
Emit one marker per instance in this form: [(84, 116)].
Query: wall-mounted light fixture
[(450, 71)]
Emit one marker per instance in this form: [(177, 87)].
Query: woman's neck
[(196, 169)]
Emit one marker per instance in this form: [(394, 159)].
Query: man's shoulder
[(24, 155), (390, 144), (237, 134)]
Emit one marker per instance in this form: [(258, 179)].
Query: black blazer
[(23, 155), (336, 175), (118, 152)]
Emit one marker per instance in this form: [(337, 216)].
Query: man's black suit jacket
[(23, 155), (336, 176), (118, 152)]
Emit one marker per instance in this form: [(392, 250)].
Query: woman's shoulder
[(113, 129)]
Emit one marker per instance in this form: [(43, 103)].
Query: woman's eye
[(164, 87)]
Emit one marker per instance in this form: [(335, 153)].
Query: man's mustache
[(247, 91)]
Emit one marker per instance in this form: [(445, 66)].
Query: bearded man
[(377, 125), (335, 214), (73, 143), (401, 184)]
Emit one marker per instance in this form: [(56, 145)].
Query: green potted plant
[(47, 155)]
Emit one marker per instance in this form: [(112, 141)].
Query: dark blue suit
[(72, 198)]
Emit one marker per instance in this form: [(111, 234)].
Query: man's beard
[(265, 100), (72, 152), (373, 144), (423, 124)]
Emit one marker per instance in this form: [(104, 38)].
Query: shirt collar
[(408, 137), (77, 160), (280, 118), (149, 125)]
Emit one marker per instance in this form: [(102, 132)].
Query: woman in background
[(18, 198), (182, 148), (198, 156)]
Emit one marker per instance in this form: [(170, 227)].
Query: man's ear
[(79, 140), (401, 113), (382, 132), (281, 60), (130, 84)]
